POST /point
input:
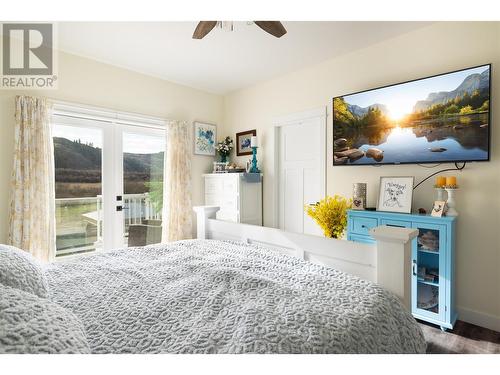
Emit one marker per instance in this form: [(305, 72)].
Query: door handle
[(121, 208), (414, 268)]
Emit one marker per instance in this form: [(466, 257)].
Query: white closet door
[(302, 169)]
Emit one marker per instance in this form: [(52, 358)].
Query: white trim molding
[(300, 116), (479, 318)]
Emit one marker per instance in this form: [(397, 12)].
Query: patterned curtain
[(177, 215), (32, 206)]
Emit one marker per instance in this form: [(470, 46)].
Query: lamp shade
[(253, 141)]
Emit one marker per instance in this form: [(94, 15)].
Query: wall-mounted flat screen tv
[(439, 119)]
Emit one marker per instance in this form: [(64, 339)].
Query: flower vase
[(223, 158), (440, 194), (451, 203)]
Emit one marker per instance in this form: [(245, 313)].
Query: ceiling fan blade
[(275, 28), (203, 28)]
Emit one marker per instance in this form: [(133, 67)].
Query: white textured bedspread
[(225, 297)]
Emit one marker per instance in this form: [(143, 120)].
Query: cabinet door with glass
[(429, 271), (432, 260)]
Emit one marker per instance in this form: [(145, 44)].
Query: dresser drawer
[(395, 223), (230, 185), (230, 203), (362, 225), (214, 199), (225, 202), (213, 185)]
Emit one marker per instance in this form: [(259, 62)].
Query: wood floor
[(465, 338)]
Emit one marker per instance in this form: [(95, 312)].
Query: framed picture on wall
[(205, 136), (395, 194), (243, 142)]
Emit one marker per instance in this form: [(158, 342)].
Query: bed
[(227, 296), (211, 296)]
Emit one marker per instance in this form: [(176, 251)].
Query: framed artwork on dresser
[(243, 141), (205, 136), (395, 194)]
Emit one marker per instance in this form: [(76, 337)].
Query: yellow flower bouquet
[(330, 214)]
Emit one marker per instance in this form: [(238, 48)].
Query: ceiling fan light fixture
[(275, 28), (226, 25)]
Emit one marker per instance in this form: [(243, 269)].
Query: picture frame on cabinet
[(395, 194), (220, 167), (358, 203), (438, 209)]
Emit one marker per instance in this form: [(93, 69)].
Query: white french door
[(139, 157), (109, 184)]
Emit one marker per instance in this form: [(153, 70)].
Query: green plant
[(155, 194), (331, 215)]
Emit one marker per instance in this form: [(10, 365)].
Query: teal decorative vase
[(254, 168), (223, 158)]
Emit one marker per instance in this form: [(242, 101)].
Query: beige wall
[(89, 82), (438, 48)]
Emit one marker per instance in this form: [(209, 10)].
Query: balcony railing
[(79, 220)]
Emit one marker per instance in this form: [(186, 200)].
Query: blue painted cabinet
[(432, 260)]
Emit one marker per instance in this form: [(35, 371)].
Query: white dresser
[(240, 201)]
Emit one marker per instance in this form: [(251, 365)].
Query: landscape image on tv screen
[(439, 119)]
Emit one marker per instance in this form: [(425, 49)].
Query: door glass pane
[(428, 270), (143, 156), (78, 185)]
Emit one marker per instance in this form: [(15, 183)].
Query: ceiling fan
[(274, 28)]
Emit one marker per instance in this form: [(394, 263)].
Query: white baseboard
[(479, 318)]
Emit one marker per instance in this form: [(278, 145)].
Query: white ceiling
[(223, 61)]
